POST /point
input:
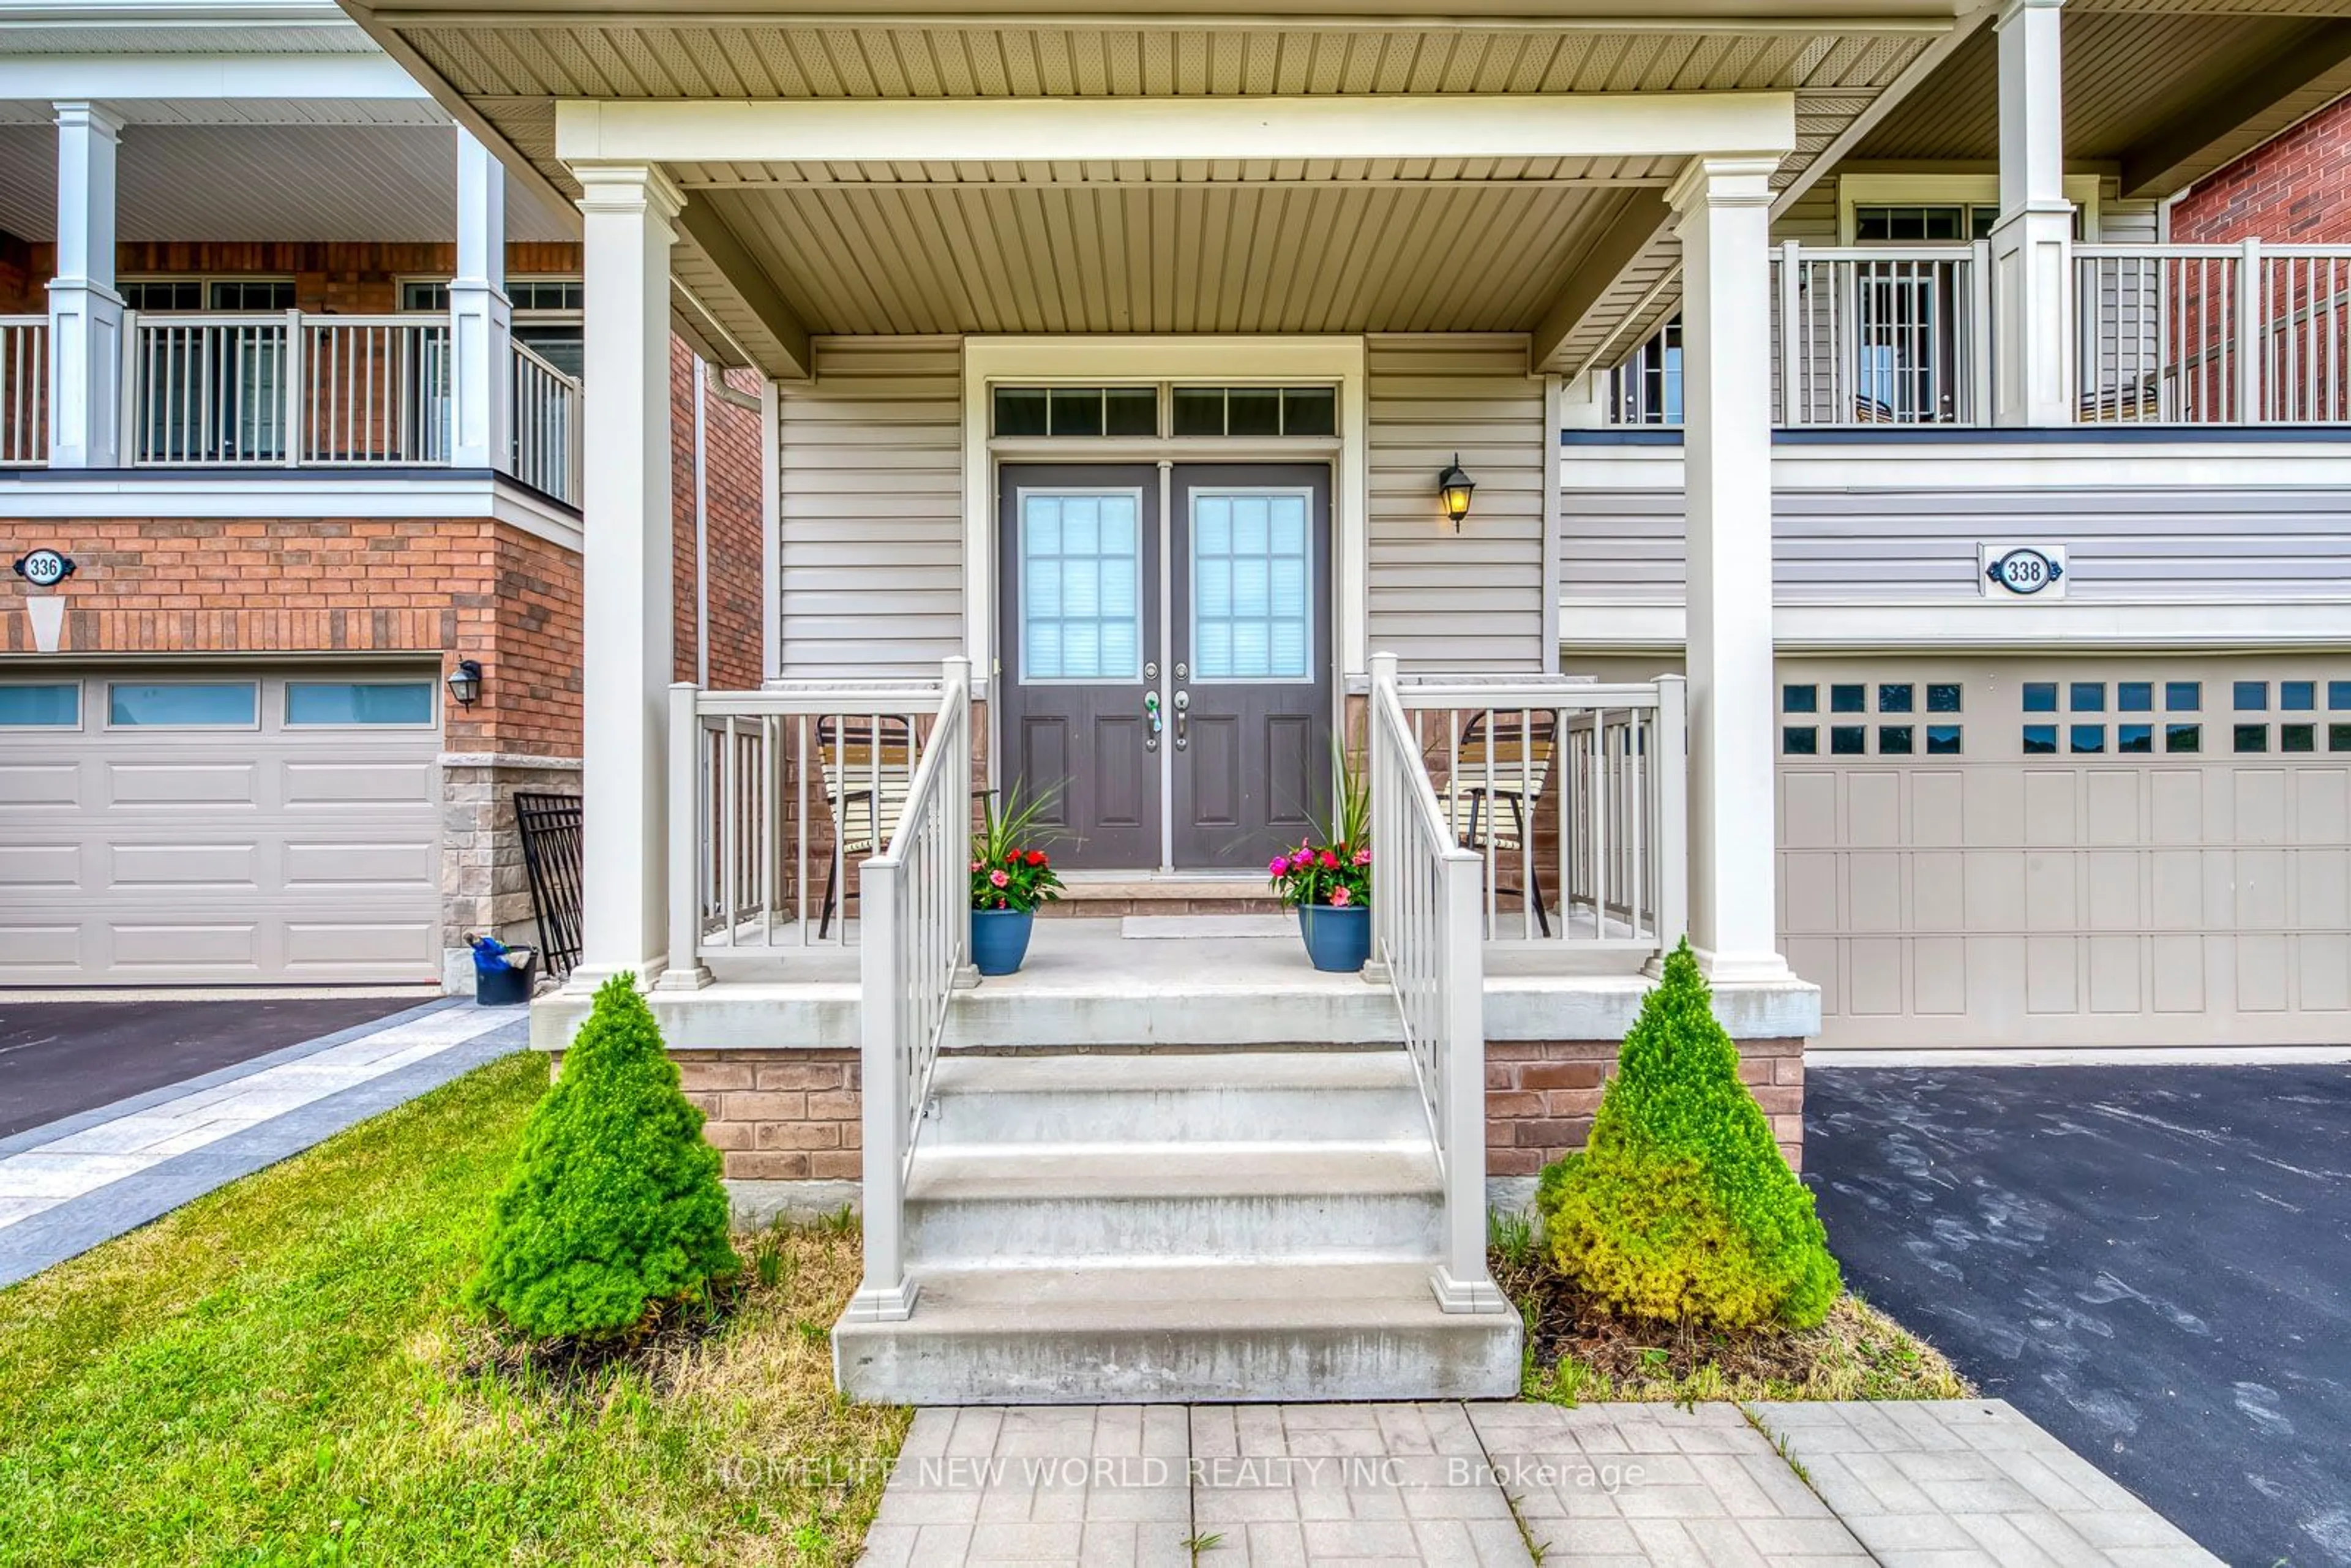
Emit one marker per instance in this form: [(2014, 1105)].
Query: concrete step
[(1350, 1096), (1246, 1333), (1106, 1205)]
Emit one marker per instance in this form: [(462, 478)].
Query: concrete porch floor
[(1173, 980)]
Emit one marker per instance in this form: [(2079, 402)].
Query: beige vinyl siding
[(1852, 547), (869, 556), (1438, 599), (1812, 217)]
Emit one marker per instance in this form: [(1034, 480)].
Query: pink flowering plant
[(1009, 870), (1333, 865)]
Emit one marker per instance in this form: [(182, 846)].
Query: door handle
[(1182, 708), (1151, 722)]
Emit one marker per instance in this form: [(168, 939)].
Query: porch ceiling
[(293, 182), (1304, 248), (942, 249), (2164, 94)]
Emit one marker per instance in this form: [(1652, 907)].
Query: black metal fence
[(551, 857)]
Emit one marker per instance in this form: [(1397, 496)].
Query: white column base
[(1457, 1295), (891, 1304), (1742, 968), (585, 980), (693, 978)]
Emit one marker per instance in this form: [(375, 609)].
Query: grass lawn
[(282, 1373)]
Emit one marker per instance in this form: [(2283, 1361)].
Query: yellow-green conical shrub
[(1681, 1207)]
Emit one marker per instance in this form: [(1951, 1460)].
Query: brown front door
[(1250, 658), (1200, 740)]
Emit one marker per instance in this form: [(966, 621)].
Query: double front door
[(1165, 669)]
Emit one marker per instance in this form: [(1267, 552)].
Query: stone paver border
[(70, 1185), (1953, 1484)]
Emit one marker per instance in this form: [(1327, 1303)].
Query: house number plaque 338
[(2024, 571)]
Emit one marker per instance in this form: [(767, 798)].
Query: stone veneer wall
[(483, 886)]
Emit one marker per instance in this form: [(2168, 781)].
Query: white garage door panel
[(359, 783), (408, 865), (2031, 891), (154, 855), (179, 784), (40, 784)]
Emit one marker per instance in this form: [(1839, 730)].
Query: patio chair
[(869, 769), (1520, 748)]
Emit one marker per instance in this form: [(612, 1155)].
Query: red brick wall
[(730, 449), (462, 588), (357, 278), (2295, 189), (1541, 1095)]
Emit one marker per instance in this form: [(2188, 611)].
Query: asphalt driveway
[(59, 1057), (2154, 1264)]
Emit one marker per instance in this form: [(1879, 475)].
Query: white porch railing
[(1880, 335), (2241, 334), (546, 454), (1596, 767), (24, 391), (917, 918), (1424, 921), (776, 796)]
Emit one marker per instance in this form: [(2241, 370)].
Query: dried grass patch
[(1580, 1353)]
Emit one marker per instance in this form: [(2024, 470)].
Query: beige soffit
[(501, 72)]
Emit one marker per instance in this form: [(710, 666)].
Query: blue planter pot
[(1338, 940), (1000, 940)]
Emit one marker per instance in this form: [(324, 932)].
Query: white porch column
[(85, 311), (1724, 207), (625, 592), (481, 321), (2032, 248)]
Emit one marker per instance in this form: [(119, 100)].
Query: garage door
[(178, 825), (2069, 852)]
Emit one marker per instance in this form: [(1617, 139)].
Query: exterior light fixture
[(465, 682), (1455, 486)]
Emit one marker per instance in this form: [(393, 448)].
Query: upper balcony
[(1874, 337), (295, 390)]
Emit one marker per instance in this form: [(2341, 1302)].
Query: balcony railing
[(2243, 334), (24, 391), (239, 390), (1881, 336), (2184, 335), (546, 427)]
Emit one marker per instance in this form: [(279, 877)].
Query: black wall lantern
[(1456, 486), (465, 682)]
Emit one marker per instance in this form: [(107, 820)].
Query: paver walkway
[(1956, 1485), (74, 1183)]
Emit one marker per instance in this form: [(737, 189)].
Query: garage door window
[(1896, 700), (349, 703), (182, 705), (51, 706)]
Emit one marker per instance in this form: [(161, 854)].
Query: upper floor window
[(214, 294), (1932, 224)]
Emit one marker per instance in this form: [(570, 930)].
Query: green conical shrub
[(1681, 1207), (614, 1205)]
